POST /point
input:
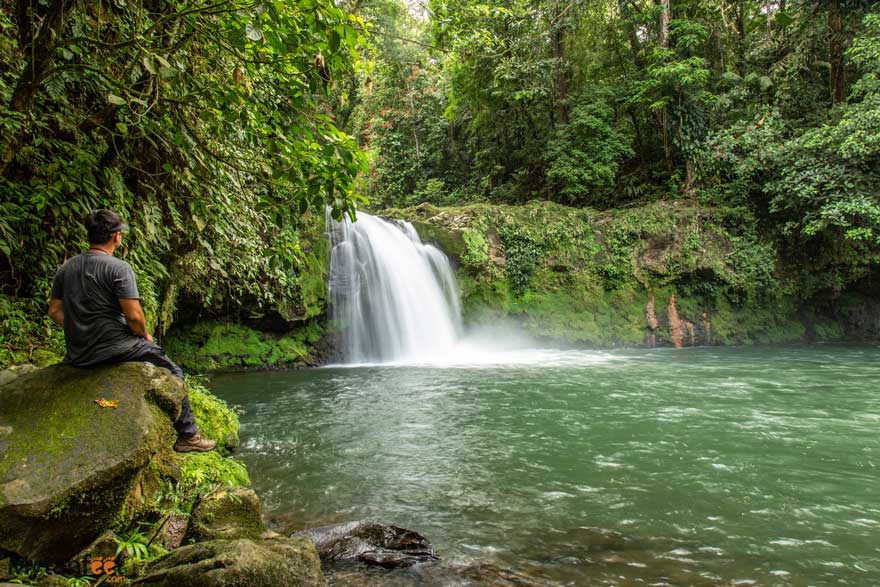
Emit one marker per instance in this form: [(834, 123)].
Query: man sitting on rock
[(95, 299)]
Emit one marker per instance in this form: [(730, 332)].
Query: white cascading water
[(393, 297)]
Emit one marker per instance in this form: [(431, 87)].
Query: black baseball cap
[(101, 224)]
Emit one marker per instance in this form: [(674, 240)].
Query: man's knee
[(153, 353)]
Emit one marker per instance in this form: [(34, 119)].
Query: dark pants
[(150, 352)]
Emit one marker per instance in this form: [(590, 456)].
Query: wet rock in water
[(238, 563), (287, 523), (227, 515), (71, 467), (371, 543), (489, 574)]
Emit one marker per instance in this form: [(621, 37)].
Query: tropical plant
[(205, 124)]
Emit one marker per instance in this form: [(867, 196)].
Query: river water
[(734, 466)]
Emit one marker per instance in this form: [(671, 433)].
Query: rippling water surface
[(693, 467)]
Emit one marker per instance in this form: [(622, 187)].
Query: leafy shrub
[(585, 154), (27, 334), (211, 468), (523, 253)]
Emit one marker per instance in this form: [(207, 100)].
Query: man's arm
[(56, 311), (134, 316)]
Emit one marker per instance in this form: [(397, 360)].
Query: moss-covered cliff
[(668, 273), (223, 346), (290, 334)]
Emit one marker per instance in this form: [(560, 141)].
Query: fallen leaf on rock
[(108, 403)]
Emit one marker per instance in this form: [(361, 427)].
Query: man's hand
[(56, 311), (134, 316)]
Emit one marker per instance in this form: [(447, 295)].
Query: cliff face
[(668, 274)]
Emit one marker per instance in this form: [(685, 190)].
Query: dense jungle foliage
[(767, 106), (207, 124), (770, 109), (221, 129)]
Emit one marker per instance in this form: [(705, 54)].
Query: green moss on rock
[(214, 417), (69, 468), (227, 515), (238, 563), (590, 277), (212, 346)]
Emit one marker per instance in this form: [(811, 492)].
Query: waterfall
[(393, 298)]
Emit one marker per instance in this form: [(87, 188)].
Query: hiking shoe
[(194, 443)]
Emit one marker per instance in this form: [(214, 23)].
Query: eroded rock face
[(238, 563), (371, 543), (69, 468)]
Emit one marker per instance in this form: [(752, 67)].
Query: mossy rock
[(238, 563), (608, 279), (220, 346), (450, 241), (211, 468), (7, 375), (214, 417), (228, 516), (69, 468), (104, 546)]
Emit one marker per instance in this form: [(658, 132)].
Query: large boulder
[(227, 515), (71, 468), (281, 562)]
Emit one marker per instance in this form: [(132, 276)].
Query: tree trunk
[(741, 38), (664, 23), (835, 50), (562, 109), (39, 54), (640, 143)]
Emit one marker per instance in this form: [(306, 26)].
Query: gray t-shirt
[(91, 285)]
